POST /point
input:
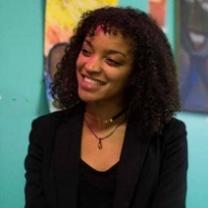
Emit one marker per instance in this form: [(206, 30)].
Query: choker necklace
[(107, 122), (111, 120)]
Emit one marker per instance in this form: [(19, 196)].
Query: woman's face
[(103, 67)]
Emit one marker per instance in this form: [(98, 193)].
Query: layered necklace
[(108, 123)]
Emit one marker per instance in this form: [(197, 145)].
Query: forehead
[(111, 36)]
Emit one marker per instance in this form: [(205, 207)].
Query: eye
[(86, 52), (113, 62)]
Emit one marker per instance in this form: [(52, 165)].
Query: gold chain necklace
[(107, 122), (100, 139)]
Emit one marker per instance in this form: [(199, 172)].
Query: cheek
[(81, 62), (123, 77), (121, 82), (125, 81)]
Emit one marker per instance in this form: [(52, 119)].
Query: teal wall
[(21, 91), (22, 99)]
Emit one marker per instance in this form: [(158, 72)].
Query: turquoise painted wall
[(21, 91), (22, 98)]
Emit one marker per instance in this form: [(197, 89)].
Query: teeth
[(91, 81)]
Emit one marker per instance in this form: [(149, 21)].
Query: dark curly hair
[(152, 91)]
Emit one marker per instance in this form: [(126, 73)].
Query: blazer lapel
[(66, 160), (131, 162)]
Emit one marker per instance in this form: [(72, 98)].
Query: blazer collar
[(67, 158), (130, 166)]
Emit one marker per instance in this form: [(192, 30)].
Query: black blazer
[(151, 172)]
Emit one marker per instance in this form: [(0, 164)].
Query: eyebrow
[(110, 51)]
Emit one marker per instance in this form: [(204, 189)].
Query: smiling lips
[(90, 83)]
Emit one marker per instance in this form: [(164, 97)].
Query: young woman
[(115, 143)]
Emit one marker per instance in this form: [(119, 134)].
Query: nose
[(93, 64)]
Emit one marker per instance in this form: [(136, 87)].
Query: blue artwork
[(193, 59)]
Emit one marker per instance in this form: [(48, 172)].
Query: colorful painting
[(60, 19), (157, 9), (193, 55)]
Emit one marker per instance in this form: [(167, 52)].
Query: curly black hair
[(152, 90)]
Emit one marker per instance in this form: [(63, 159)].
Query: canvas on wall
[(193, 55), (157, 9)]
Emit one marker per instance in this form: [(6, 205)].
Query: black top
[(96, 188), (151, 172)]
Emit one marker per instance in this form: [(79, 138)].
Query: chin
[(87, 98)]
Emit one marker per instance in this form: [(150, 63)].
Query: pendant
[(100, 145)]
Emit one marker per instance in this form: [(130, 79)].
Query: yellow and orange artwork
[(157, 9), (63, 15)]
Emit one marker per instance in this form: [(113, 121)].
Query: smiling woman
[(103, 67), (115, 143)]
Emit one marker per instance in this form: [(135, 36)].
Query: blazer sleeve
[(171, 190), (34, 193)]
